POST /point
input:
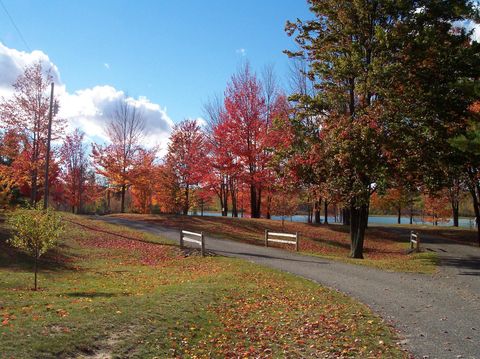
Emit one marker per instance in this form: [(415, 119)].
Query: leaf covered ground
[(108, 291), (382, 249)]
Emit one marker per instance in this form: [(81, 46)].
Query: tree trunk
[(33, 197), (187, 200), (35, 269), (411, 214), (367, 213), (455, 207), (253, 201), (454, 200), (399, 215), (224, 199), (455, 217), (317, 205), (346, 216), (476, 209), (34, 175), (108, 201), (122, 203), (325, 210), (269, 201), (234, 201), (259, 202), (358, 217)]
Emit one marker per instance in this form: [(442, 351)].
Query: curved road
[(437, 315)]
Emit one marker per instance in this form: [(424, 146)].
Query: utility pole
[(47, 161)]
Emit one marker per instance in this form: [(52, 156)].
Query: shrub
[(35, 232)]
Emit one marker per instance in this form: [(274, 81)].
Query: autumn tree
[(245, 128), (77, 176), (436, 207), (168, 194), (223, 164), (125, 131), (35, 231), (6, 187), (144, 179), (468, 146), (394, 199), (9, 149), (186, 157), (386, 75), (26, 115)]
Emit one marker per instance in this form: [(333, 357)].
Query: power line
[(15, 26)]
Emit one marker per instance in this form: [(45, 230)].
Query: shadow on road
[(257, 255), (471, 263)]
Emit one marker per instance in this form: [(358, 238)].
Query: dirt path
[(438, 316)]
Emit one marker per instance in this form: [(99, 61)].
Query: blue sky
[(176, 53)]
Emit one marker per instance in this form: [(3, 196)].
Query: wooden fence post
[(266, 238), (415, 235), (203, 245), (181, 239), (296, 242)]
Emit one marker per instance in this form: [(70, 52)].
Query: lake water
[(463, 222)]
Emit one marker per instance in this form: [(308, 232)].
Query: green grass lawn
[(108, 291)]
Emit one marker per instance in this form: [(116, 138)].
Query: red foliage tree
[(437, 207), (26, 116), (244, 126), (78, 178), (144, 179), (187, 158), (115, 161), (167, 195)]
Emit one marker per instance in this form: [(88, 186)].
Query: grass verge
[(108, 291)]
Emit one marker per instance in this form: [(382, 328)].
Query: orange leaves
[(186, 152), (78, 181), (144, 177), (187, 158), (7, 318), (437, 207), (475, 107), (269, 317), (24, 117)]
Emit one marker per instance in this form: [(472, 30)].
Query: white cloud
[(87, 109), (469, 26), (201, 122), (90, 110), (13, 62), (106, 65), (241, 51), (476, 32)]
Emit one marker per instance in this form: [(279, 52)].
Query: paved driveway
[(437, 315)]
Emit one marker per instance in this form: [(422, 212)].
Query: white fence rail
[(192, 237), (274, 237), (414, 241)]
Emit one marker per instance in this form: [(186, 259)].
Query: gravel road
[(438, 316)]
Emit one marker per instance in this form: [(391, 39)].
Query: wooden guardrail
[(273, 237), (198, 239), (414, 241)]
